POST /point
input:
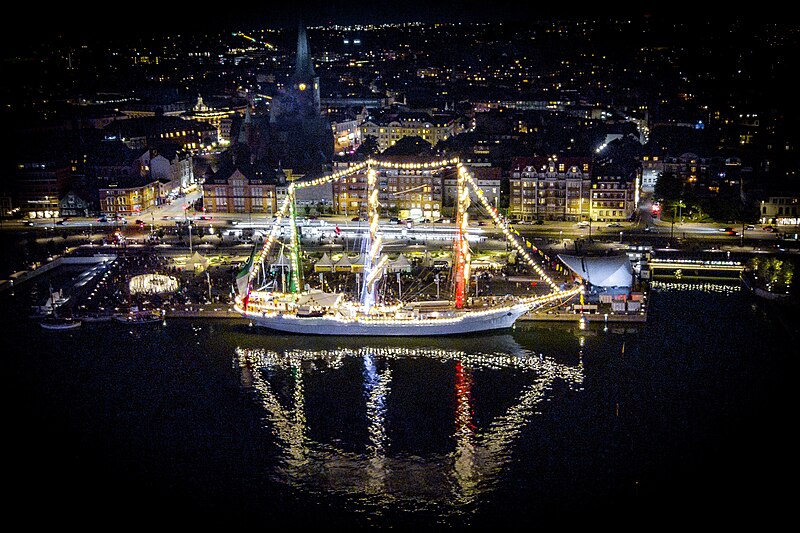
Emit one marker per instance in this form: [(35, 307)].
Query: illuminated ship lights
[(254, 304)]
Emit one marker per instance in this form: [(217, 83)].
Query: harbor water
[(197, 422)]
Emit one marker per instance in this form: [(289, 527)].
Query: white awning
[(401, 264), (324, 264), (601, 271)]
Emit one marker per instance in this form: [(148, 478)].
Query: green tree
[(668, 188), (369, 146), (774, 274)]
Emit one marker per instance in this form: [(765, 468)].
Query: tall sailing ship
[(298, 309)]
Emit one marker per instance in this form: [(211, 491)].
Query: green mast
[(296, 270)]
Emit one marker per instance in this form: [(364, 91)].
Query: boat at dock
[(55, 323), (52, 321), (139, 317), (95, 317), (299, 309)]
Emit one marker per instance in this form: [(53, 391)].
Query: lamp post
[(741, 235), (672, 226)]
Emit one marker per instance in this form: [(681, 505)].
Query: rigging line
[(497, 219), (407, 190)]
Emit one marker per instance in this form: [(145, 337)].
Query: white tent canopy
[(197, 261), (400, 264), (343, 264), (324, 264), (601, 271)]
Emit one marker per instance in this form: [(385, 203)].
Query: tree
[(668, 188), (774, 274), (369, 146)]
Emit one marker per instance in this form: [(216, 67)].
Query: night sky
[(31, 21)]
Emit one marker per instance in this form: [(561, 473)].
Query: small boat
[(54, 323), (95, 317), (139, 317), (54, 301)]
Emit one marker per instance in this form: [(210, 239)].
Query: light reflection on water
[(367, 468)]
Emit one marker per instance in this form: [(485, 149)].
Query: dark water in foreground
[(205, 422)]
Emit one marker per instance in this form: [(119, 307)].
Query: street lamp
[(620, 237)]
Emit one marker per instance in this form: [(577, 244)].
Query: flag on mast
[(243, 277)]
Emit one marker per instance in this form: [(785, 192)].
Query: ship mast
[(296, 265), (374, 263), (461, 254)]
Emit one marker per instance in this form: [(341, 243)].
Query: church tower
[(305, 80), (300, 135), (301, 97)]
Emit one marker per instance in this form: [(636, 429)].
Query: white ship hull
[(470, 321)]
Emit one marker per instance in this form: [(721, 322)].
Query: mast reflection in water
[(374, 462), (208, 421)]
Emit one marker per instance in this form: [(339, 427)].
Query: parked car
[(29, 223), (614, 225), (750, 226), (538, 222), (355, 219), (582, 224)]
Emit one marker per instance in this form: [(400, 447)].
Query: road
[(646, 230)]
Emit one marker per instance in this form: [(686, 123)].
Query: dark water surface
[(683, 419)]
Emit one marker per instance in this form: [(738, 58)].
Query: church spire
[(304, 68)]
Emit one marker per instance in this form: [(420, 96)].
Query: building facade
[(220, 118), (613, 198), (402, 193), (129, 200), (694, 171), (550, 188), (236, 192), (139, 133), (346, 127), (73, 205), (391, 127), (40, 184), (173, 168), (780, 210), (350, 195), (488, 179)]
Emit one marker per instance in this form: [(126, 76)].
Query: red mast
[(461, 256)]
